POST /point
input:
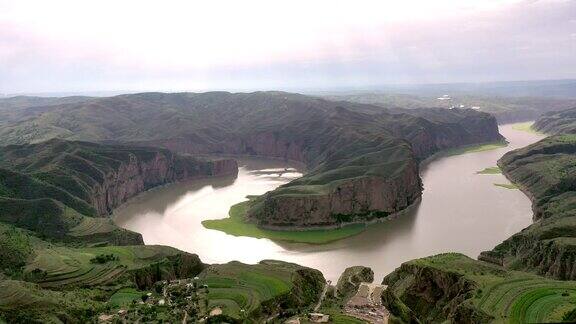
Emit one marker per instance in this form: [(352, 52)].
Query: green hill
[(546, 171), (558, 122), (347, 147), (260, 289), (101, 177), (454, 288)]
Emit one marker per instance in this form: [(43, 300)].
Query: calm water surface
[(460, 211)]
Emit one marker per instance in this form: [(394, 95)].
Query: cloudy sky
[(74, 45)]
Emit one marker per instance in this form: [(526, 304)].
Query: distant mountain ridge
[(506, 109), (557, 122)]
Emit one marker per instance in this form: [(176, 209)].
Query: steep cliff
[(105, 176), (56, 188), (436, 294), (137, 175), (181, 265), (364, 198), (434, 129), (362, 159), (546, 172), (453, 288)]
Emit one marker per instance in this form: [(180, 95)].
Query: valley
[(267, 162), (486, 216), (357, 185)]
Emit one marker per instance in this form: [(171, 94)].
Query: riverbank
[(456, 203), (527, 127), (236, 225)]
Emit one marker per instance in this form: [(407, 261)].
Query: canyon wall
[(93, 179), (435, 295), (357, 200), (557, 122), (137, 175), (362, 160), (435, 129), (345, 198), (264, 144)]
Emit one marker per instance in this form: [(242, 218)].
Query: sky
[(176, 45)]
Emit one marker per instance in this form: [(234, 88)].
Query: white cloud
[(204, 42), (217, 32)]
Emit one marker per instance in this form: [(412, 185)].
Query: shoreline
[(144, 193), (393, 216)]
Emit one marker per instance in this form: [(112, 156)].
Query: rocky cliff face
[(351, 278), (357, 200), (434, 295), (181, 265), (94, 178), (554, 258), (136, 176), (438, 129), (363, 156), (264, 144)]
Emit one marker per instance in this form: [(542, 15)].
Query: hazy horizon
[(67, 46)]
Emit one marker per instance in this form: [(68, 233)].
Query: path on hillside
[(322, 296)]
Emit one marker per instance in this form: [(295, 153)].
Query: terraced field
[(490, 292), (91, 226), (529, 300), (241, 289), (124, 296), (41, 304), (235, 286), (61, 266)]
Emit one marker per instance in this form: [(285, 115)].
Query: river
[(460, 211)]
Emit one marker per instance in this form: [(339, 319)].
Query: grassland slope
[(546, 171), (261, 290), (558, 122), (456, 289)]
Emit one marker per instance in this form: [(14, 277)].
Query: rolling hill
[(506, 108), (558, 122), (546, 171), (362, 159), (453, 288)]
